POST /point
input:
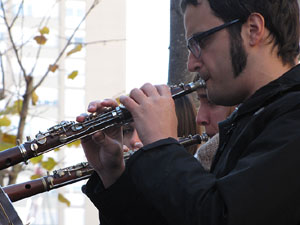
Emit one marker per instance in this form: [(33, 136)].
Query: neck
[(264, 69)]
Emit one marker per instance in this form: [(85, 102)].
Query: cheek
[(217, 60)]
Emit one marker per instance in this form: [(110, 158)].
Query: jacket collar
[(289, 80)]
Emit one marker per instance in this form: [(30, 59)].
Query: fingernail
[(122, 97), (90, 107)]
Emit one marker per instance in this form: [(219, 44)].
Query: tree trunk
[(178, 72), (23, 115), (178, 52)]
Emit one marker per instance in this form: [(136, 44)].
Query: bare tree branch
[(12, 42), (17, 14), (99, 42), (29, 86), (47, 19), (36, 61), (67, 44), (2, 93)]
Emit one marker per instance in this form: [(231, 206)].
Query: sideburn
[(237, 52)]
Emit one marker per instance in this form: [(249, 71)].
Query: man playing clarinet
[(246, 51)]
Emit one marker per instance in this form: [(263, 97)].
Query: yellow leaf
[(37, 159), (57, 149), (44, 30), (49, 164), (74, 144), (35, 176), (118, 100), (53, 68), (76, 49), (41, 40), (73, 74), (34, 98), (4, 146), (62, 199), (15, 108), (8, 138), (4, 121)]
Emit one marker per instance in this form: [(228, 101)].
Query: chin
[(210, 134), (219, 99)]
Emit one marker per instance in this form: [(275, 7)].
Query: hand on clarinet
[(104, 149), (153, 111)]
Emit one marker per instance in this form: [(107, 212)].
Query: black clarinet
[(69, 131), (73, 174)]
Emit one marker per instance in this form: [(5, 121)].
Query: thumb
[(99, 137)]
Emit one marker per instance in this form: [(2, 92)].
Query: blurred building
[(101, 74)]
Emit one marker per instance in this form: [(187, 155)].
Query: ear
[(255, 28)]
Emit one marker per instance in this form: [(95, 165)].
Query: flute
[(68, 131), (72, 174)]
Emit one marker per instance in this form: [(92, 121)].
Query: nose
[(135, 142), (194, 64), (202, 118)]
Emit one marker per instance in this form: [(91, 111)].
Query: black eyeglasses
[(194, 42)]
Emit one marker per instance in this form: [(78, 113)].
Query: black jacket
[(254, 178)]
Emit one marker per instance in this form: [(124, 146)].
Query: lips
[(203, 77)]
